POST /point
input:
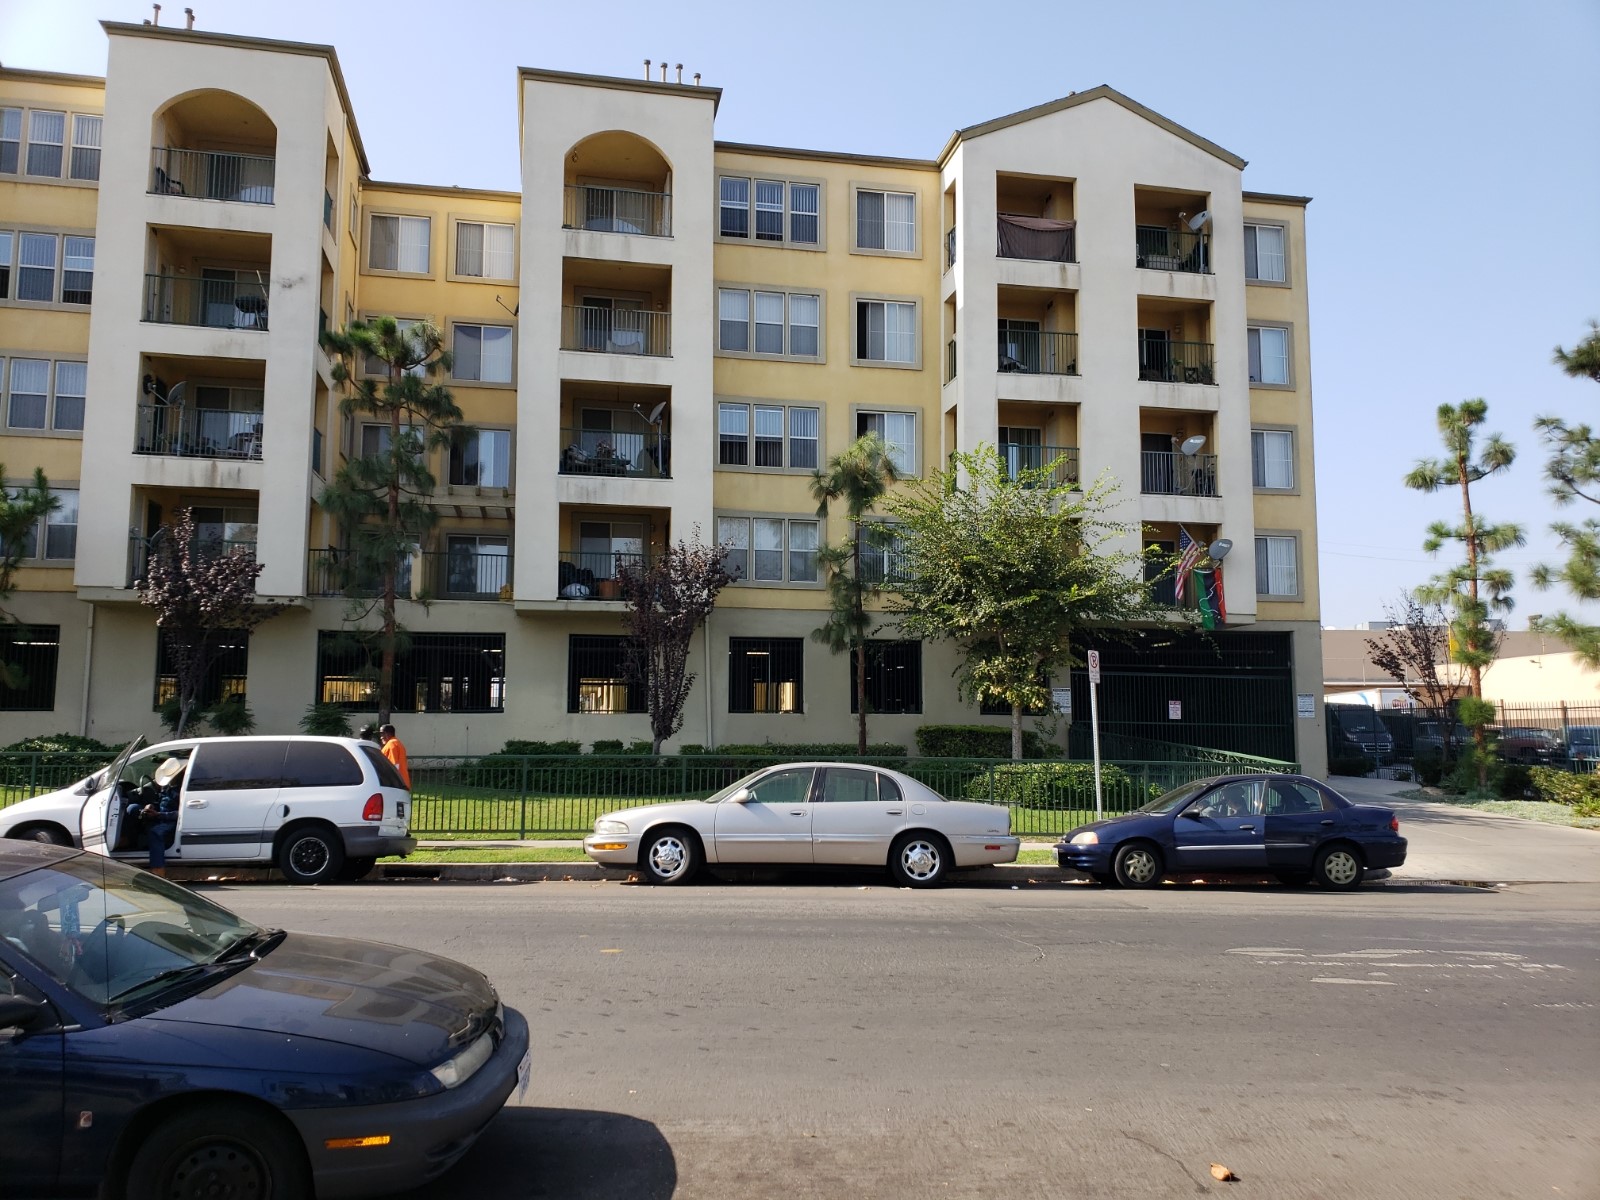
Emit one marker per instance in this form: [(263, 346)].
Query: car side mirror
[(20, 1013), (1194, 814), (742, 796)]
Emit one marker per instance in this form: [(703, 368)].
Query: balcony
[(212, 303), (1161, 249), (463, 572), (1038, 239), (1033, 352), (1173, 473), (173, 429), (616, 331), (140, 549), (642, 454), (212, 175), (617, 210), (592, 574), (950, 360), (1062, 461), (1164, 361)]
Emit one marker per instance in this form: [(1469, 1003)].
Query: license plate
[(524, 1074), (400, 809)]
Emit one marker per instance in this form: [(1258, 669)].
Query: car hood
[(407, 1003), (696, 813), (1119, 821)]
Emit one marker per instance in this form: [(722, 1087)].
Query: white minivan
[(317, 808)]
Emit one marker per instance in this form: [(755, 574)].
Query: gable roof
[(1103, 92)]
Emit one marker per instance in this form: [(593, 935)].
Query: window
[(482, 460), (1272, 458), (602, 677), (28, 397), (771, 448), (477, 565), (10, 140), (77, 271), (225, 677), (882, 552), (36, 266), (1276, 571), (894, 678), (886, 331), (886, 221), (1269, 355), (433, 672), (765, 675), (770, 549), (320, 764), (899, 433), (483, 353), (786, 212), (31, 654), (6, 238), (85, 147), (47, 135), (72, 388), (1264, 259), (237, 766), (399, 244), (485, 251), (785, 325), (373, 365)]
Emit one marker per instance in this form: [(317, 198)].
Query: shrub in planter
[(1048, 785), (640, 746), (1351, 764), (1564, 787), (691, 748), (606, 746), (326, 720), (517, 746)]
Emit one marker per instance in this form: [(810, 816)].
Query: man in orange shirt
[(394, 750)]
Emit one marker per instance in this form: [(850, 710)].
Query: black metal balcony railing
[(1161, 249), (1035, 239), (215, 303), (212, 175), (617, 210), (950, 360), (140, 549), (637, 454), (1172, 473), (1031, 352), (616, 330), (199, 432), (1176, 362), (592, 574), (463, 572), (1021, 457)]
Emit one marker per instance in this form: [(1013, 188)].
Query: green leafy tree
[(856, 479), (1473, 589), (21, 509), (380, 499), (1016, 571), (1573, 472)]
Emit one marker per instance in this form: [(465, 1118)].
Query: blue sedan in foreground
[(153, 1044), (1289, 826)]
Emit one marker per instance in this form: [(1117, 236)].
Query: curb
[(565, 872)]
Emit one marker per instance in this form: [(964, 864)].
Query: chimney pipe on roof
[(663, 70), (647, 70), (680, 73), (189, 12), (697, 79), (157, 21)]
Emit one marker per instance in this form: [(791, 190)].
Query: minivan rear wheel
[(310, 855)]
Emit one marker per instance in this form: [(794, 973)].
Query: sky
[(1450, 150)]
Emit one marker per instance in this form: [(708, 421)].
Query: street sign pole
[(1094, 726)]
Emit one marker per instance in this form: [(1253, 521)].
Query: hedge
[(978, 741), (797, 750), (1052, 786), (1563, 787)]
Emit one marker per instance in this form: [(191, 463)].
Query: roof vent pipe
[(679, 69), (157, 21), (697, 79), (189, 12), (647, 70), (663, 70)]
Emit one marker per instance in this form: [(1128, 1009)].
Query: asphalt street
[(836, 1037)]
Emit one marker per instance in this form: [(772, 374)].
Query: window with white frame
[(10, 140), (767, 435), (770, 549), (485, 251), (882, 552), (400, 244), (47, 139), (899, 433), (35, 142), (32, 267), (775, 212), (1269, 354), (886, 221), (886, 331), (1277, 572), (771, 324), (482, 353), (55, 537), (1264, 259), (483, 459), (31, 403), (1272, 458), (77, 270), (85, 147)]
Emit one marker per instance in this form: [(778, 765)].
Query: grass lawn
[(1529, 810), (476, 855)]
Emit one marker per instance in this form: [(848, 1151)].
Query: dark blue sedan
[(154, 1044), (1289, 826)]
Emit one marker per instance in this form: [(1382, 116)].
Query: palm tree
[(858, 478)]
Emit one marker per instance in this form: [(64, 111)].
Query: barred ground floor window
[(225, 676), (30, 654), (433, 672), (601, 678)]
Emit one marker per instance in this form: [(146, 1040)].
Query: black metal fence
[(1557, 734)]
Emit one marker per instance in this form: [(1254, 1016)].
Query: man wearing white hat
[(160, 819)]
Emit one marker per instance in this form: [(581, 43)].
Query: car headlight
[(453, 1072), (1087, 838), (608, 826)]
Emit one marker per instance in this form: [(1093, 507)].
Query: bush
[(326, 720), (978, 741), (606, 746), (1429, 766), (1052, 786), (518, 747), (1587, 808), (691, 748), (641, 746), (62, 758), (795, 750), (232, 718), (1513, 782), (1563, 787), (1351, 764), (60, 743)]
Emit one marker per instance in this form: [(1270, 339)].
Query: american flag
[(1190, 553)]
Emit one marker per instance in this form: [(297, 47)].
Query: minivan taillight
[(374, 809)]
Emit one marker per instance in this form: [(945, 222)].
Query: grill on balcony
[(617, 210), (616, 330), (214, 303), (212, 175), (1032, 352)]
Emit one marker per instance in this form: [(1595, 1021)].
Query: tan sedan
[(796, 814)]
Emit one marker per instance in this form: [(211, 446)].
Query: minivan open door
[(101, 813)]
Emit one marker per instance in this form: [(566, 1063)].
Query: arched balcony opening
[(213, 145), (617, 182)]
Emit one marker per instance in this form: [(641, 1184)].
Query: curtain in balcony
[(1036, 237)]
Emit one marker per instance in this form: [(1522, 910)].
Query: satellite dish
[(655, 413), (1200, 220), (1218, 550), (1191, 445)]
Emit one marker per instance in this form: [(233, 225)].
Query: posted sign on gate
[(1094, 728), (1094, 666)]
